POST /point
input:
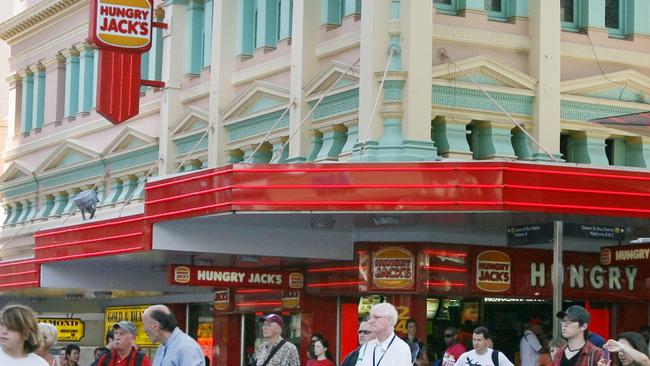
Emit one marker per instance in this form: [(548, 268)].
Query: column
[(374, 43), (46, 208), (14, 101), (417, 55), (331, 13), (38, 102), (60, 203), (450, 136), (637, 13), (173, 72), (27, 102), (207, 33), (494, 140), (276, 150), (71, 206), (333, 141), (246, 28), (305, 66), (86, 78), (316, 144), (156, 50), (285, 21), (544, 64), (54, 89), (194, 36), (224, 52), (267, 17), (71, 82)]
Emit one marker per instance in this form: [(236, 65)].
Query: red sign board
[(393, 269), (226, 277), (122, 31), (627, 254)]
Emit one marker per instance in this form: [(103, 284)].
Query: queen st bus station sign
[(122, 30)]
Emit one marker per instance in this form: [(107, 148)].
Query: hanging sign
[(132, 314), (226, 277), (122, 30), (69, 329)]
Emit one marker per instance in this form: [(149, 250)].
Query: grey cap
[(575, 312), (126, 326)]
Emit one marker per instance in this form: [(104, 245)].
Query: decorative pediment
[(194, 119), (15, 171), (127, 139), (260, 96), (486, 71), (71, 152), (330, 75), (627, 86)]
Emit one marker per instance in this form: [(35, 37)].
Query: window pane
[(566, 10), (448, 2), (611, 14), (493, 5)]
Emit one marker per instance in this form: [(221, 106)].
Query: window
[(569, 15), (446, 7), (614, 17), (496, 10)]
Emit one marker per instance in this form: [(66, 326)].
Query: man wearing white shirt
[(387, 349), (482, 355), (529, 345)]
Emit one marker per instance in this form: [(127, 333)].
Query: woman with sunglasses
[(19, 337)]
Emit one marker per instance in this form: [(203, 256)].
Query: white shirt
[(30, 360), (471, 358), (529, 347), (391, 352)]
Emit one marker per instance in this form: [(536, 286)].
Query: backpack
[(495, 357), (106, 359)]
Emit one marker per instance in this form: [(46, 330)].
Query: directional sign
[(530, 234), (589, 231)]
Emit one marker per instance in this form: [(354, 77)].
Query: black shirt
[(569, 362)]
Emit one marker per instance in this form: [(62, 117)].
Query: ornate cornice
[(33, 16)]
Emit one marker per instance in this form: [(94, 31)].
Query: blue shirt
[(180, 350)]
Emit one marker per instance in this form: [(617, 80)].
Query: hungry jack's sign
[(226, 277)]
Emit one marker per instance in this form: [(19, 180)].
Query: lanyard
[(382, 356)]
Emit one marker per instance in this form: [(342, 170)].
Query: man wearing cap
[(365, 336), (275, 351), (529, 345), (579, 351), (176, 348), (123, 352)]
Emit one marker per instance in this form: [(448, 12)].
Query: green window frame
[(570, 23), (615, 23), (447, 7), (497, 10)]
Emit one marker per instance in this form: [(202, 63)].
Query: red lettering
[(144, 29)]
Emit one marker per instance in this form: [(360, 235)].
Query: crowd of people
[(25, 342)]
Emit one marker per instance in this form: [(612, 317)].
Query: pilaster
[(544, 64), (15, 83), (224, 51), (246, 18), (71, 82), (207, 32), (266, 25), (54, 89), (331, 13), (27, 100), (173, 72), (637, 13), (194, 36), (305, 66), (156, 50), (285, 21), (86, 77), (38, 103)]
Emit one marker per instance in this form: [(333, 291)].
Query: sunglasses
[(364, 332)]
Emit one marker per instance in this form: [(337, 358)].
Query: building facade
[(350, 83)]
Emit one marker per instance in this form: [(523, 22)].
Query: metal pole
[(338, 328), (242, 357), (558, 274)]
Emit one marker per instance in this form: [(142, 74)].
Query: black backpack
[(495, 357)]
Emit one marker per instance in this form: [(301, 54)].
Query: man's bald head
[(162, 315)]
